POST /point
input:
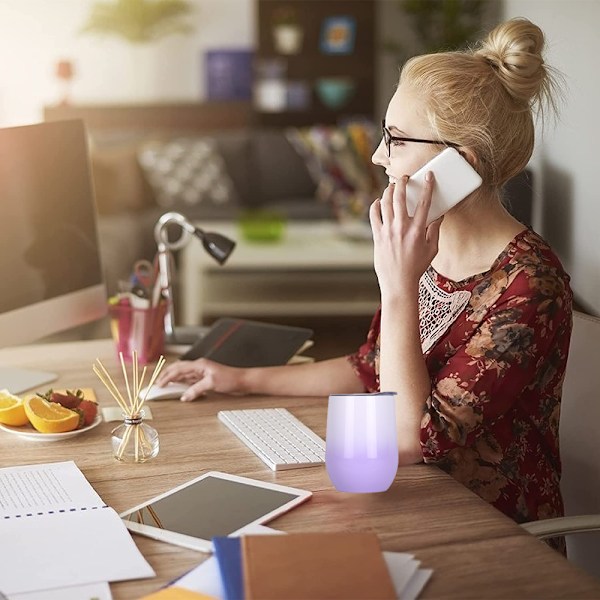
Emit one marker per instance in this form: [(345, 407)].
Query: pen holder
[(133, 440), (361, 451), (139, 330)]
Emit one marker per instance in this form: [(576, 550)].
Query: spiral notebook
[(51, 517)]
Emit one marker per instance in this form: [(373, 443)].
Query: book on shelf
[(245, 343), (299, 566), (51, 517)]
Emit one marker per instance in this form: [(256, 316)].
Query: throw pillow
[(339, 160), (187, 173)]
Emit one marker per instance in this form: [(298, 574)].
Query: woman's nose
[(380, 156)]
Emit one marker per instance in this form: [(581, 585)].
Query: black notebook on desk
[(244, 343)]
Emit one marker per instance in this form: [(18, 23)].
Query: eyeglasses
[(388, 138)]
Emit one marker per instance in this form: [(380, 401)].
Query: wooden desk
[(474, 550)]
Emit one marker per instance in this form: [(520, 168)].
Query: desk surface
[(474, 550)]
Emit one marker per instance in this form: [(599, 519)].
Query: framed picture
[(228, 74), (338, 34)]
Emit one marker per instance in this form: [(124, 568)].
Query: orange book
[(305, 566)]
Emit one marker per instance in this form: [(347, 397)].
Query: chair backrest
[(580, 438)]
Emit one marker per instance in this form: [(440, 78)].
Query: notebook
[(229, 556), (297, 566), (244, 343), (51, 517)]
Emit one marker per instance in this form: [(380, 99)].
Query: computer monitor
[(51, 277)]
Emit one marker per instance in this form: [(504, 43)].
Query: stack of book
[(304, 566), (307, 566)]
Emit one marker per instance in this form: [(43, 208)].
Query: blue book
[(228, 552)]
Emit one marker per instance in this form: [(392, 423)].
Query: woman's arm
[(310, 379), (404, 248)]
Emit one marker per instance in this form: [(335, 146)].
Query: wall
[(568, 194), (35, 34)]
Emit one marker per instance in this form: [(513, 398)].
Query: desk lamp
[(217, 245)]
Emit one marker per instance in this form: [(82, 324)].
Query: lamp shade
[(217, 245)]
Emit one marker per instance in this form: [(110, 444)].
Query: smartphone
[(455, 179)]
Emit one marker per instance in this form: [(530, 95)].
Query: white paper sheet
[(50, 516), (42, 488), (401, 567), (90, 591), (416, 584)]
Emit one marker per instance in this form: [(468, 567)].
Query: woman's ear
[(469, 156)]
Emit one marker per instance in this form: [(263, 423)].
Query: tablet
[(214, 504)]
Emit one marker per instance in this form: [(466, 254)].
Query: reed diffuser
[(133, 440)]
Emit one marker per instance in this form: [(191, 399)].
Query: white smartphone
[(455, 179)]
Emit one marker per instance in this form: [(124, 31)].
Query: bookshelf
[(316, 59)]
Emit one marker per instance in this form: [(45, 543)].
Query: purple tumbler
[(361, 452)]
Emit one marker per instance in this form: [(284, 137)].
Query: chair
[(580, 450)]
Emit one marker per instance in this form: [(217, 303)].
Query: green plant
[(440, 24), (139, 21), (284, 15)]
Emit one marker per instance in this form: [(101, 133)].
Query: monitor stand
[(17, 380)]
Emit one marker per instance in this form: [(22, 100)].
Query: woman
[(475, 318)]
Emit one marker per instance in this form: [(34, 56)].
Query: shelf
[(311, 63)]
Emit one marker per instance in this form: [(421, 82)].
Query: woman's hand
[(204, 376), (404, 246)]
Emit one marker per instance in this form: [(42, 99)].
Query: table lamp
[(215, 244)]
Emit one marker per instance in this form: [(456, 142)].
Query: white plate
[(29, 433)]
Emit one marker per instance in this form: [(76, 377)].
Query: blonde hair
[(485, 98)]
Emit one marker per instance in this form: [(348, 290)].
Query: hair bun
[(514, 51)]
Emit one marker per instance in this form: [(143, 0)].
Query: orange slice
[(12, 410), (50, 417)]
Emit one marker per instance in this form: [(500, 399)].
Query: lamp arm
[(217, 245), (165, 275), (160, 230)]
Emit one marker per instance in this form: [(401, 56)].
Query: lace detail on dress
[(437, 310)]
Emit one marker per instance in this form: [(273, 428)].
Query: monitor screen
[(50, 266)]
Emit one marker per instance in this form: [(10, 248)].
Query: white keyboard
[(278, 438)]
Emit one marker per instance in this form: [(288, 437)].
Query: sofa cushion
[(235, 148), (188, 174), (282, 173)]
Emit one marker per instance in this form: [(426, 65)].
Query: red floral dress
[(491, 420)]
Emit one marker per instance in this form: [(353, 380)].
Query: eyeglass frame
[(388, 138)]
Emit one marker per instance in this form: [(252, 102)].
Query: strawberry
[(88, 411), (68, 400)]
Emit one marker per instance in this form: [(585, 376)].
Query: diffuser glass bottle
[(134, 440)]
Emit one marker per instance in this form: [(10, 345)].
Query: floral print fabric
[(491, 420)]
